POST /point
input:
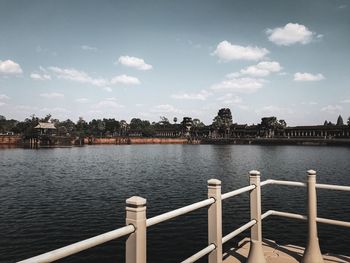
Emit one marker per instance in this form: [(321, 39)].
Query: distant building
[(45, 128)]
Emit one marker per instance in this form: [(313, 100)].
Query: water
[(54, 197)]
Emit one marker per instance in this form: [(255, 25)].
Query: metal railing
[(137, 224)]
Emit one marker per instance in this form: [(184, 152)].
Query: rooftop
[(45, 125)]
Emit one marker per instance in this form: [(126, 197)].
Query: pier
[(254, 249)]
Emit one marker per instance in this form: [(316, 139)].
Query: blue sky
[(148, 59)]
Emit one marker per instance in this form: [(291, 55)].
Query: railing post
[(135, 251), (312, 253), (256, 252), (215, 221)]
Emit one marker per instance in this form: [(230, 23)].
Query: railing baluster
[(256, 252), (215, 221), (312, 253), (135, 251)]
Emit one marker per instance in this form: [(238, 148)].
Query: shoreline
[(16, 141)]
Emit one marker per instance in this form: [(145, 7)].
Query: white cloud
[(343, 101), (53, 95), (88, 48), (290, 34), (4, 97), (125, 79), (78, 76), (82, 77), (10, 67), (273, 110), (308, 77), (2, 103), (229, 98), (332, 109), (202, 95), (107, 105), (38, 76), (165, 108), (309, 103), (108, 89), (262, 69), (227, 51), (82, 100), (134, 62), (241, 85), (56, 110)]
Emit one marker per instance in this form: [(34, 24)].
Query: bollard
[(215, 221), (135, 251), (312, 253), (256, 252)]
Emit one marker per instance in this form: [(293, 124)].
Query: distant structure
[(45, 128)]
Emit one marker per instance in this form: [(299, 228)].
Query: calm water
[(54, 197)]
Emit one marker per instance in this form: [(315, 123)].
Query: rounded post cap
[(311, 172), (254, 173), (136, 201), (214, 182)]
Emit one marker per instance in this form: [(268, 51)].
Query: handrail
[(333, 187), (180, 211), (282, 182), (80, 246), (237, 192), (238, 231), (303, 217), (126, 230), (200, 254)]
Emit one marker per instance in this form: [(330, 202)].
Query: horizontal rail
[(200, 254), (266, 214), (303, 217), (238, 231), (293, 183), (281, 182), (180, 211), (268, 181), (80, 246), (333, 187), (237, 192)]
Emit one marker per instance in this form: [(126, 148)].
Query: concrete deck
[(275, 253)]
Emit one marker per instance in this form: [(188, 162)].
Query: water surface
[(53, 197)]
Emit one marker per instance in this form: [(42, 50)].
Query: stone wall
[(135, 140), (10, 139)]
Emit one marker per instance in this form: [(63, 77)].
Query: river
[(53, 197)]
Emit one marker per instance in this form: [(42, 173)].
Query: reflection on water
[(53, 197)]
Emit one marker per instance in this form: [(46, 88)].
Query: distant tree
[(164, 121), (349, 121), (282, 123), (101, 126), (175, 120), (112, 126), (46, 118), (223, 121), (123, 127), (66, 127), (325, 123), (2, 118), (82, 127), (340, 121)]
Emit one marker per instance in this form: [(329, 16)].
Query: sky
[(146, 59)]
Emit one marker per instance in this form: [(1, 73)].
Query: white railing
[(137, 223)]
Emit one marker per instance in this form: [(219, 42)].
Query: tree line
[(95, 127)]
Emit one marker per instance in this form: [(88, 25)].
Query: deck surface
[(275, 253)]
